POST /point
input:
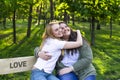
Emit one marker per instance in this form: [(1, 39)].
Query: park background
[(22, 23)]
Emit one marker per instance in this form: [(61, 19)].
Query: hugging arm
[(41, 54), (36, 51)]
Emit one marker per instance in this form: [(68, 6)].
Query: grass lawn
[(106, 51)]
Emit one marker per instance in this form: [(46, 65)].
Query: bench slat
[(19, 64)]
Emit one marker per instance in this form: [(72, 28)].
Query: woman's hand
[(44, 55), (65, 70)]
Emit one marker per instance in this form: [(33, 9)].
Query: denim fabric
[(37, 74), (68, 76), (91, 77)]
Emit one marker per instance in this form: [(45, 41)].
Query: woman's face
[(56, 30), (63, 26), (65, 29)]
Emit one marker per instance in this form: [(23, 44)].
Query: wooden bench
[(19, 64), (14, 65)]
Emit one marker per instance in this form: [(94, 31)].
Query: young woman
[(80, 59), (52, 45)]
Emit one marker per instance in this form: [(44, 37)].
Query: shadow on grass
[(4, 35), (24, 47)]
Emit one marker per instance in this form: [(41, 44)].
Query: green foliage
[(60, 9)]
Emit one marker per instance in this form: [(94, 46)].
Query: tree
[(13, 6), (51, 10), (4, 12), (29, 18), (113, 8)]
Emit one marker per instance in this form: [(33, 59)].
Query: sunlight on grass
[(100, 66), (116, 37), (5, 31), (99, 61), (6, 41)]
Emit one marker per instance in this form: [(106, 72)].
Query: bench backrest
[(19, 64)]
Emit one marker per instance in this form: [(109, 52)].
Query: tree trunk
[(51, 10), (98, 25), (111, 27), (29, 21), (93, 31), (4, 23), (65, 16), (73, 20), (45, 20), (39, 14), (14, 26)]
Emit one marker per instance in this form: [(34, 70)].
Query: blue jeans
[(91, 77), (37, 74), (68, 76)]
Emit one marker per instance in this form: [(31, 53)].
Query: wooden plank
[(19, 64)]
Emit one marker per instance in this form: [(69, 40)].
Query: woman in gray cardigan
[(81, 62), (83, 67)]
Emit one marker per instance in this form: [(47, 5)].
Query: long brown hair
[(72, 37)]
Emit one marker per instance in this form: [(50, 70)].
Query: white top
[(69, 59), (53, 47)]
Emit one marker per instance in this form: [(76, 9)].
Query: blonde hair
[(48, 30)]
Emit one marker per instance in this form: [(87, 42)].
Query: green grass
[(106, 51)]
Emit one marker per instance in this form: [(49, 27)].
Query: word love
[(18, 64)]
